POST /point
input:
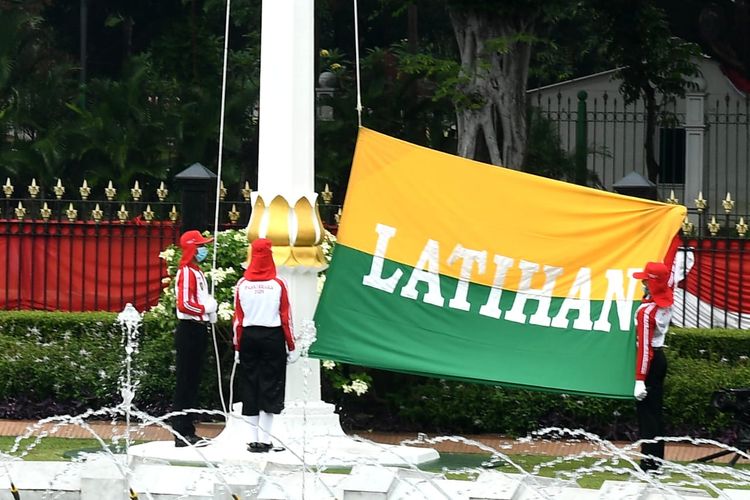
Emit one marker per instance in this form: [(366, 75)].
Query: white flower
[(219, 274), (102, 374), (225, 311), (328, 364), (359, 386), (167, 254), (346, 388)]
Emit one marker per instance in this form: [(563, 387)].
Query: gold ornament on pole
[(222, 191)]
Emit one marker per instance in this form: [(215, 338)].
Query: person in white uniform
[(264, 339)]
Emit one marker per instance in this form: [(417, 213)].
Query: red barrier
[(82, 266)]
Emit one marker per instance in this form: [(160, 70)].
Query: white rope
[(356, 65), (218, 198)]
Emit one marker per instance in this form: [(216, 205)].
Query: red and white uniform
[(262, 303), (191, 291), (651, 324)]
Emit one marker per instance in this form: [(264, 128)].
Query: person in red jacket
[(264, 339), (652, 322), (196, 309)]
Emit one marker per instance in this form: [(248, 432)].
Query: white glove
[(236, 357), (210, 306), (640, 391), (292, 356), (212, 318)]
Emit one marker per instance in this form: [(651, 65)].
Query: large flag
[(453, 268)]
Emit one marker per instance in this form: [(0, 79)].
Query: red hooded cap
[(261, 266), (657, 276), (189, 242)]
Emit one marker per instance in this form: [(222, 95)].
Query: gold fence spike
[(672, 199), (33, 189), (8, 188), (85, 190), (59, 189), (713, 226), (700, 202), (136, 191), (72, 213), (687, 227), (20, 211), (122, 214), (45, 212), (728, 203), (222, 191), (173, 214), (246, 191), (162, 192), (97, 213), (110, 192), (327, 195), (741, 227), (234, 215), (148, 214)]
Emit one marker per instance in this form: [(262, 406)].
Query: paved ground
[(105, 430)]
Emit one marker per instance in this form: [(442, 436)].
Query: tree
[(494, 41), (653, 65)]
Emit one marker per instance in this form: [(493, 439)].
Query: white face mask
[(201, 254)]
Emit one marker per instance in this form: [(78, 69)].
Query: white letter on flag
[(525, 292), (430, 259), (375, 278), (462, 288)]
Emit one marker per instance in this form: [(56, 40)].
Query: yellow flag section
[(454, 268)]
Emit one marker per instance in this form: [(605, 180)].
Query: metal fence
[(94, 251)]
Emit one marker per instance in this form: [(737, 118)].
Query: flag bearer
[(196, 309), (652, 322)]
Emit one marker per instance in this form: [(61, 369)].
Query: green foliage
[(716, 345)]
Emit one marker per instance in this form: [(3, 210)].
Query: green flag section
[(451, 268)]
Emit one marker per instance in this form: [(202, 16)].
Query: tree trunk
[(652, 109), (495, 87)]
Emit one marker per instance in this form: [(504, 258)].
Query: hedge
[(56, 363)]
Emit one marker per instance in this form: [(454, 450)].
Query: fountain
[(328, 464)]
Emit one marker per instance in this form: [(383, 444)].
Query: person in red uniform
[(196, 308), (652, 320), (264, 339)]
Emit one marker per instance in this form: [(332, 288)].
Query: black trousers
[(649, 411), (262, 373), (190, 345)]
